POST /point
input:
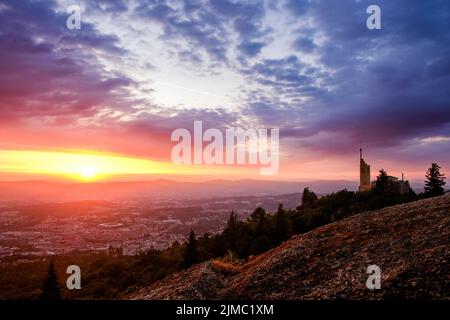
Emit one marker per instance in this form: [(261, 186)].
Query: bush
[(228, 265)]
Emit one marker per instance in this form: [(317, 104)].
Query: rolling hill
[(409, 242)]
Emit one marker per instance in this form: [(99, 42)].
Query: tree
[(191, 251), (382, 181), (282, 224), (231, 231), (308, 198), (51, 286), (259, 225), (258, 215), (435, 181)]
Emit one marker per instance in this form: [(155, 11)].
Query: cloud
[(109, 6), (298, 7), (48, 71), (287, 76), (209, 25), (251, 49), (379, 88), (310, 67), (305, 44)]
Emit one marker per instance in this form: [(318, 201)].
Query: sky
[(102, 101)]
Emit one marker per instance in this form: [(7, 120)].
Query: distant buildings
[(365, 184)]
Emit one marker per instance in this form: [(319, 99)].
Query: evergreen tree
[(382, 181), (191, 251), (51, 286), (282, 224), (259, 228), (308, 198), (258, 215), (435, 181), (231, 231)]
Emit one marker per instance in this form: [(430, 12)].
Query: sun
[(88, 173)]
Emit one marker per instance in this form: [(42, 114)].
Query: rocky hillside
[(410, 243)]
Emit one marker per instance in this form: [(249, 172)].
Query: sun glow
[(90, 166), (88, 173), (80, 165)]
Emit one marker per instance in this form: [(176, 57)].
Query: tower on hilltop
[(364, 174)]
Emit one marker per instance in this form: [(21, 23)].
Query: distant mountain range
[(160, 188)]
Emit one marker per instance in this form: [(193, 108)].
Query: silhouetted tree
[(259, 227), (258, 215), (231, 231), (435, 181), (308, 198), (382, 181), (51, 286), (191, 251), (282, 224)]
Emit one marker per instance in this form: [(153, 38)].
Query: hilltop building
[(364, 174), (399, 186)]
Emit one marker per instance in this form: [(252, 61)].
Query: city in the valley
[(30, 229)]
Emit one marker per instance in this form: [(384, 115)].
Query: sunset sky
[(101, 102)]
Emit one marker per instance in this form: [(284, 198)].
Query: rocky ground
[(410, 243)]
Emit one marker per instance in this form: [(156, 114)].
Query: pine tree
[(258, 215), (260, 230), (308, 198), (382, 181), (282, 224), (191, 251), (51, 286), (435, 181), (231, 231)]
